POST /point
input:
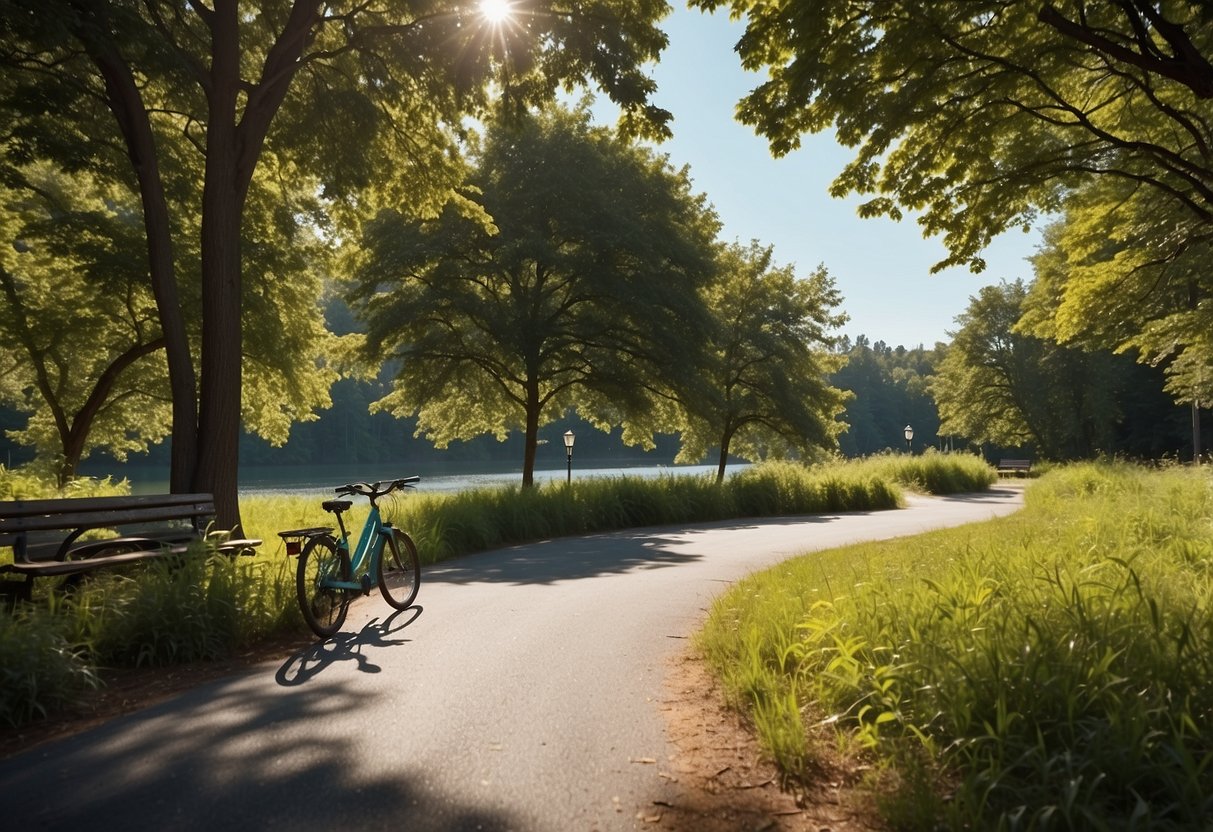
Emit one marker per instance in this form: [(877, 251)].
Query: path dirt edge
[(724, 780)]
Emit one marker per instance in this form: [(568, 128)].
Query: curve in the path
[(521, 694)]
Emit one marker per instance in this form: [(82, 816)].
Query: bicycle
[(325, 577)]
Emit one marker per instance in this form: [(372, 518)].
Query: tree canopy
[(582, 294), (357, 102), (1125, 272), (79, 340), (764, 391), (998, 384), (980, 114)]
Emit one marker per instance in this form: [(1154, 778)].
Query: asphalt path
[(522, 693)]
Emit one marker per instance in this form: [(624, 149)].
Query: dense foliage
[(80, 346), (238, 129), (583, 294), (997, 383), (982, 113), (1121, 272), (889, 387)]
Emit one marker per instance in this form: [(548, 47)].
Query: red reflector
[(292, 547)]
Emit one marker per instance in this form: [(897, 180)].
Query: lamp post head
[(568, 442), (909, 432)]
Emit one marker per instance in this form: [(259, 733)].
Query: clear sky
[(881, 267)]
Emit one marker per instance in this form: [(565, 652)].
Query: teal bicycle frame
[(370, 549), (327, 577)]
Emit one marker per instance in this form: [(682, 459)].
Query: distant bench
[(45, 535), (1019, 467)]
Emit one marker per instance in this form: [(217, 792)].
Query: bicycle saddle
[(335, 505)]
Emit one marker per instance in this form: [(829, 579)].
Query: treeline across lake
[(890, 386)]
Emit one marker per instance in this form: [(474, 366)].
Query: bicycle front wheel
[(324, 607), (399, 570)]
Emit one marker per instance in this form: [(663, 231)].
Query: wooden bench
[(1019, 467), (45, 536)]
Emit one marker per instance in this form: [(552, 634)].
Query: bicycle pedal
[(366, 584)]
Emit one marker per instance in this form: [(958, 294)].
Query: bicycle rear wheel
[(323, 607), (399, 570)]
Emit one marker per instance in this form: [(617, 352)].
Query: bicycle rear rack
[(295, 538)]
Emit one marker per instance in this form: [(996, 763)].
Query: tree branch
[(1186, 65)]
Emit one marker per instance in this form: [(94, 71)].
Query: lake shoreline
[(442, 478)]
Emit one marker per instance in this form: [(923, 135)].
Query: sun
[(496, 11)]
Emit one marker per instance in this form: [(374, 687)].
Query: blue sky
[(881, 267)]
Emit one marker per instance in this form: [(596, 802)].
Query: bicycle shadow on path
[(304, 665)]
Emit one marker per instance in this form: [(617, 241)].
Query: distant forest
[(890, 386)]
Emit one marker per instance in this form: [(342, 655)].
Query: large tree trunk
[(182, 381), (234, 141), (126, 103), (73, 449), (222, 204), (219, 401)]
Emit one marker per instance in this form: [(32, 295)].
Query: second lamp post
[(568, 449), (909, 432)]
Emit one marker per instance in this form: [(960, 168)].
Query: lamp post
[(568, 449), (909, 432)]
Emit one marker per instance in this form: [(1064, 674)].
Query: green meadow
[(1048, 670)]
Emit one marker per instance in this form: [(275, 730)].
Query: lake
[(322, 479)]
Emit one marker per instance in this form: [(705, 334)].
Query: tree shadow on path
[(239, 755), (590, 556)]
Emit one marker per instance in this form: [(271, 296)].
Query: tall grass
[(451, 525), (147, 615), (206, 608), (931, 472), (41, 669), (1050, 670), (19, 484)]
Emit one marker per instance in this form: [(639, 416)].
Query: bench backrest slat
[(24, 508), (98, 512)]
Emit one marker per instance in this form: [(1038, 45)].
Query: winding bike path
[(522, 694)]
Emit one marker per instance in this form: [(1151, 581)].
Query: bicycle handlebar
[(374, 490)]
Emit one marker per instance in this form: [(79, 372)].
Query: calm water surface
[(322, 479)]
